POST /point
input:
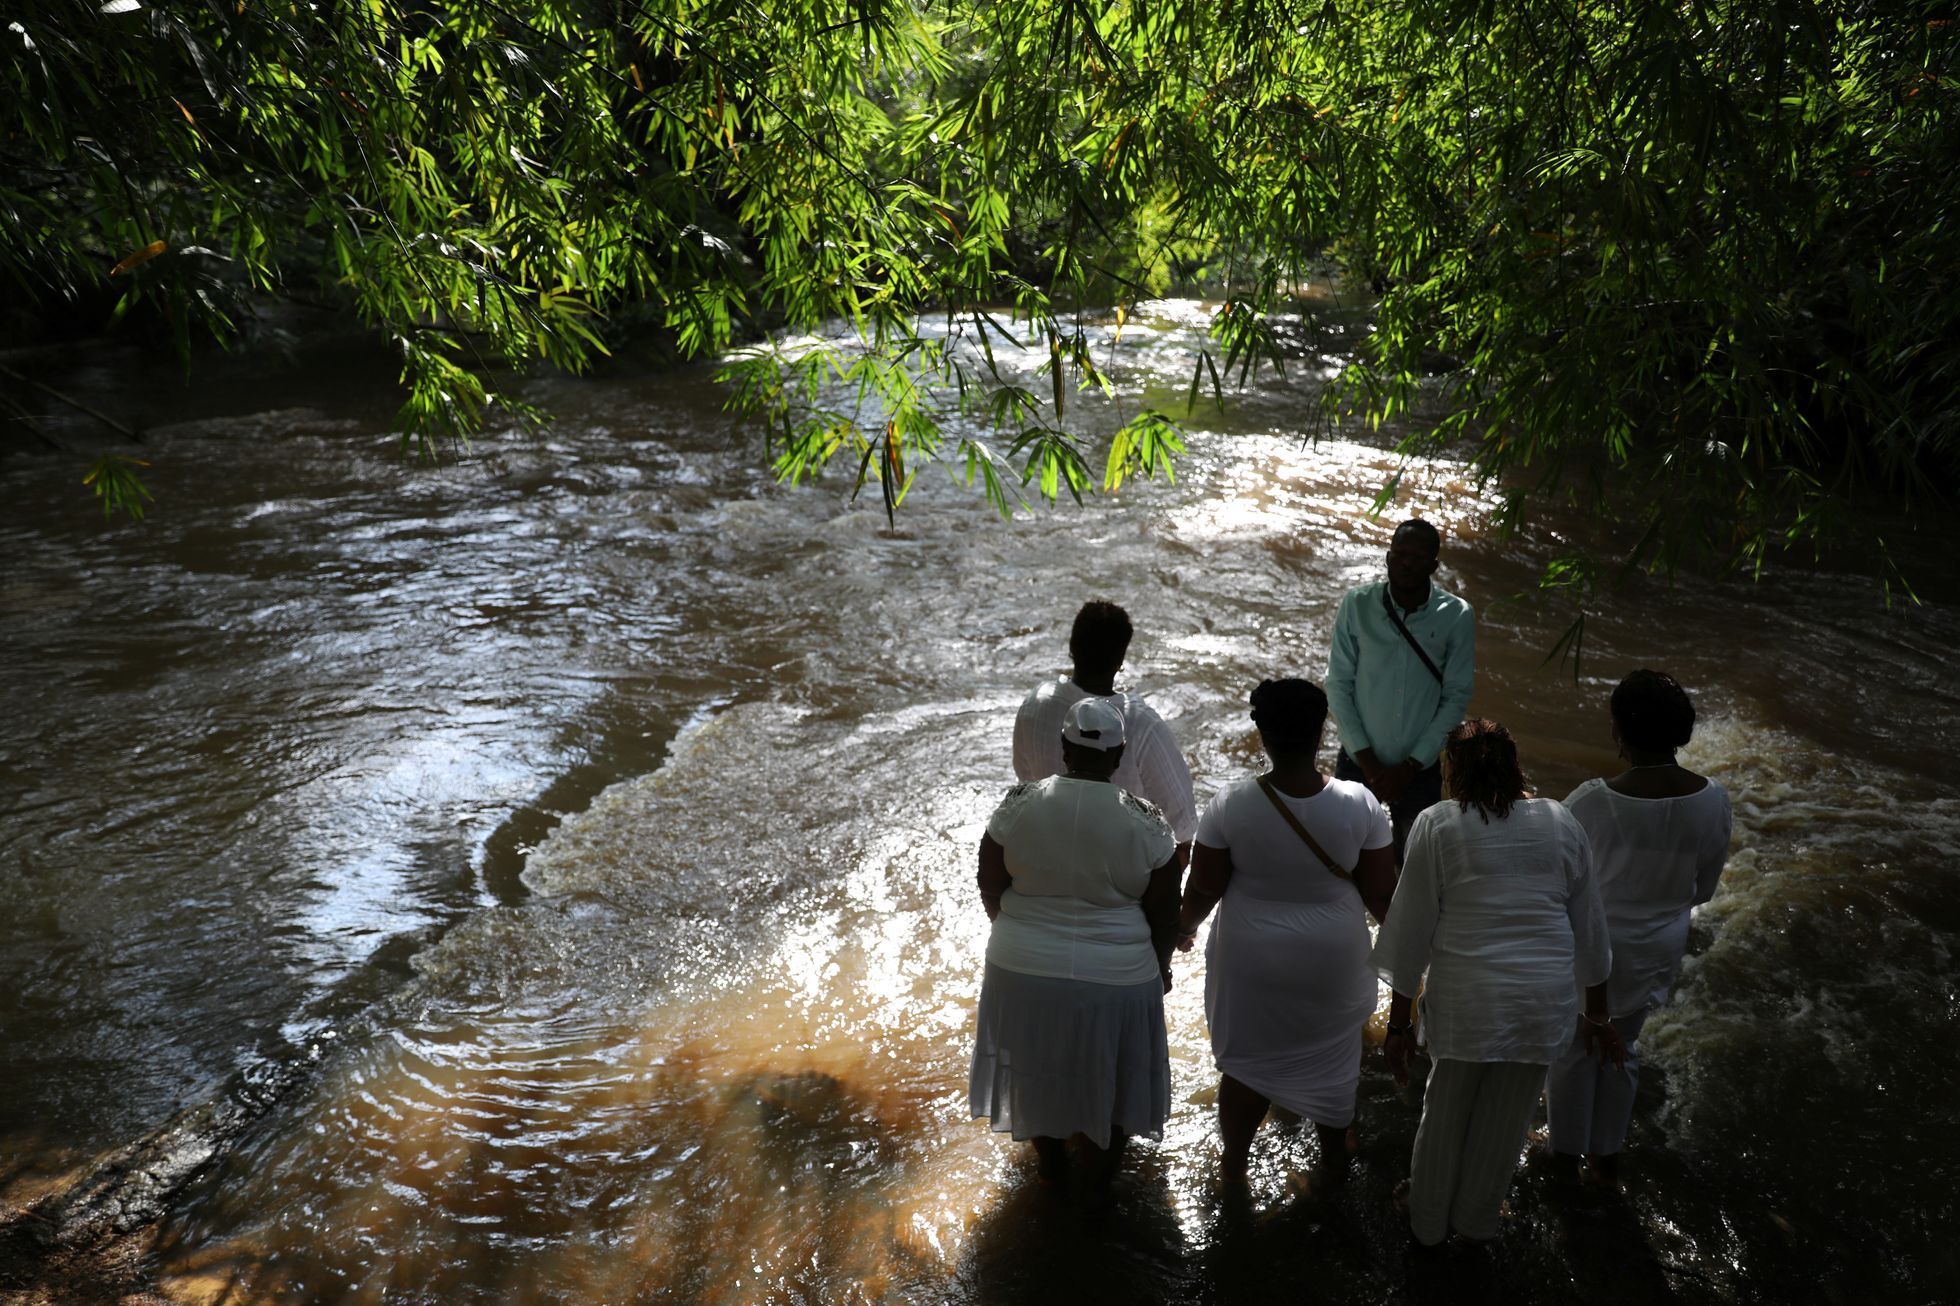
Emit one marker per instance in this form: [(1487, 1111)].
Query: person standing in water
[(1399, 675), (1079, 878), (1497, 908), (1659, 836), (1290, 859), (1152, 768)]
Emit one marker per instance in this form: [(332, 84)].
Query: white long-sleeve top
[(1656, 860), (1152, 767), (1504, 916)]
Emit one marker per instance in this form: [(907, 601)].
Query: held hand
[(1602, 1039), (1390, 782), (1186, 940), (1371, 767), (1399, 1049)]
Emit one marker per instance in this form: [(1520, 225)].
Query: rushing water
[(296, 752)]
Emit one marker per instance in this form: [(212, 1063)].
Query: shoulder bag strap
[(1395, 618), (1301, 830)]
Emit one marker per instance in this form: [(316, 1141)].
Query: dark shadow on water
[(1679, 1233), (1039, 1243), (1310, 1247)]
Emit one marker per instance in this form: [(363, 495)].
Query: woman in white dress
[(1659, 835), (1288, 986), (1080, 880), (1497, 903)]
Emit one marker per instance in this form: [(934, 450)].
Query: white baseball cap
[(1094, 723)]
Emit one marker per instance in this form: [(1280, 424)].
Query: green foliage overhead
[(1689, 263)]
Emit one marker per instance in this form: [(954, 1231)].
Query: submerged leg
[(1104, 1162), (1240, 1111), (1613, 1111), (1507, 1097), (1334, 1150), (1440, 1137), (1051, 1159), (1571, 1092)]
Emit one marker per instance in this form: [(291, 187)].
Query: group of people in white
[(1524, 940)]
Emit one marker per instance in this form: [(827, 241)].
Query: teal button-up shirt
[(1381, 695)]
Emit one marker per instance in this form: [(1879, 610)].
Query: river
[(600, 815)]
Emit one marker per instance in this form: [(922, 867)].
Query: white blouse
[(1655, 859), (1504, 916), (1080, 853)]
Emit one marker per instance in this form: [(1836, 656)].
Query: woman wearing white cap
[(1080, 880)]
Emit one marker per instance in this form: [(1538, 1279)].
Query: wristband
[(1402, 1028)]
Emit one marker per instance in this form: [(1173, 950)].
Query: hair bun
[(1289, 711), (1653, 712)]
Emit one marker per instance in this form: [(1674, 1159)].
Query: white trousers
[(1474, 1118), (1590, 1102)]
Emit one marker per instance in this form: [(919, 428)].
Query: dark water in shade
[(281, 755)]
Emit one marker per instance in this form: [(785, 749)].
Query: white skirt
[(1055, 1057), (1287, 990)]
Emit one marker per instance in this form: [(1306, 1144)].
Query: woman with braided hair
[(1497, 904)]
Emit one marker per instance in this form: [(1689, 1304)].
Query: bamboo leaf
[(137, 258)]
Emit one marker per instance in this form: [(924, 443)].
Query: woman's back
[(1498, 910), (1080, 853), (1081, 839), (1657, 853), (1271, 862), (1504, 882), (1287, 983), (1654, 859)]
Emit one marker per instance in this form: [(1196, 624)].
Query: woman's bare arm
[(994, 878), (1160, 912), (1374, 875), (1211, 871)]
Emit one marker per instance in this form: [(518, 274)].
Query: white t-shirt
[(1152, 766), (1268, 857), (1080, 853), (1505, 917), (1655, 860)]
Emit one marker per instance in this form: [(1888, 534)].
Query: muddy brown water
[(607, 813)]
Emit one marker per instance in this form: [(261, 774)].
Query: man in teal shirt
[(1399, 674)]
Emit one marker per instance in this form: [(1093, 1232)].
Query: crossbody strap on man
[(1301, 830), (1388, 606)]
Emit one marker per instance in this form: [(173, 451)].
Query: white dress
[(1655, 859), (1288, 984), (1152, 766)]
